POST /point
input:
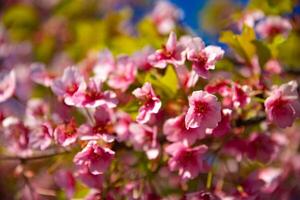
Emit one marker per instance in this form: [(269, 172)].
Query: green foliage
[(21, 21), (272, 7), (263, 52), (290, 51), (241, 43)]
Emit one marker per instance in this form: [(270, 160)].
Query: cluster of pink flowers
[(123, 134)]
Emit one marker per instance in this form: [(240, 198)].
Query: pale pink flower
[(272, 26), (93, 96), (105, 65), (68, 84), (39, 74), (273, 67), (122, 126), (175, 131), (249, 18), (140, 58), (165, 16), (65, 180), (124, 73), (96, 158), (204, 111), (7, 85), (187, 78), (151, 104), (89, 179), (283, 106), (171, 53), (41, 136), (37, 111), (203, 58), (66, 134), (189, 161), (144, 138)]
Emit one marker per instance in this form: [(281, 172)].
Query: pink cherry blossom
[(7, 85), (273, 66), (187, 78), (283, 106), (39, 74), (96, 158), (122, 127), (89, 179), (240, 95), (104, 66), (41, 136), (68, 84), (175, 131), (93, 96), (189, 161), (151, 104), (164, 16), (224, 126), (140, 58), (66, 134), (144, 138), (66, 181), (124, 73), (204, 111), (203, 58), (171, 53), (272, 26)]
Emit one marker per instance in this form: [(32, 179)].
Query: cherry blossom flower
[(89, 179), (224, 126), (101, 128), (144, 138), (37, 111), (151, 104), (93, 96), (39, 74), (66, 134), (165, 15), (140, 58), (283, 106), (41, 136), (204, 111), (203, 58), (272, 26), (104, 66), (250, 18), (122, 126), (273, 67), (67, 85), (172, 53), (96, 158), (175, 131), (124, 73), (66, 181), (240, 95), (189, 161), (7, 85), (187, 78)]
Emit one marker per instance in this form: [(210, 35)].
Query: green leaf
[(272, 7), (263, 52), (241, 43)]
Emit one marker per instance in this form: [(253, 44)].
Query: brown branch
[(251, 121)]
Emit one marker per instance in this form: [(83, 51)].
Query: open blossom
[(105, 65), (283, 106), (68, 84), (65, 180), (175, 131), (101, 127), (187, 78), (93, 96), (170, 53), (189, 161), (89, 179), (224, 126), (203, 58), (164, 16), (96, 158), (204, 111), (240, 97), (151, 104), (144, 138), (66, 134), (39, 74), (272, 26), (141, 58), (7, 85), (124, 73), (41, 136), (122, 126)]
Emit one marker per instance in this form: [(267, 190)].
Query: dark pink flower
[(224, 126), (151, 104), (7, 85), (89, 179), (171, 53), (204, 111), (203, 58), (283, 106), (93, 96), (68, 84), (65, 180), (188, 161), (164, 16), (272, 26), (175, 131), (221, 86), (104, 66), (124, 73), (240, 95), (96, 158), (144, 138), (66, 134)]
